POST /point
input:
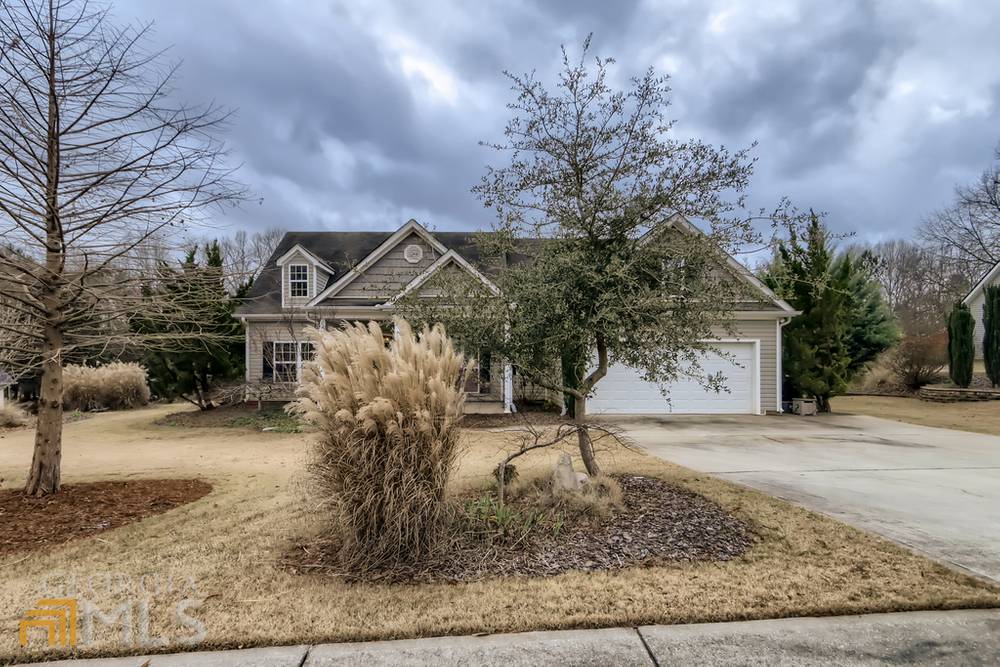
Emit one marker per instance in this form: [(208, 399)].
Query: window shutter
[(268, 365)]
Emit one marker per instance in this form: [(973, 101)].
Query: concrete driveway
[(934, 490)]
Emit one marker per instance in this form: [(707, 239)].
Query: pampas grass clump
[(12, 416), (388, 416), (116, 386)]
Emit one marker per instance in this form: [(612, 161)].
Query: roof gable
[(410, 228), (993, 275), (678, 221), (450, 258)]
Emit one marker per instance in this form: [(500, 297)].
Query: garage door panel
[(623, 391)]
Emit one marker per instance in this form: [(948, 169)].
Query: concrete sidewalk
[(915, 638)]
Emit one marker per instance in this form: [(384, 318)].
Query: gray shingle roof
[(341, 250)]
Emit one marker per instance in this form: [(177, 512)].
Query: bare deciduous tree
[(95, 160), (919, 284), (968, 231), (244, 255)]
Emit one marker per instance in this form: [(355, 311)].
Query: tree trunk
[(583, 437), (44, 476)]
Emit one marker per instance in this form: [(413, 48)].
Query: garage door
[(623, 391)]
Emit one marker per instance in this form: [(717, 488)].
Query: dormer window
[(298, 280)]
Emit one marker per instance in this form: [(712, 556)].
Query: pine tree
[(991, 333), (816, 358), (872, 328), (961, 345), (193, 372)]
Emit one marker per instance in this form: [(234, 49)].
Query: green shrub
[(116, 386), (991, 334), (388, 418), (961, 345)]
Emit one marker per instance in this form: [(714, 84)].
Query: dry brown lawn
[(227, 547), (975, 416)]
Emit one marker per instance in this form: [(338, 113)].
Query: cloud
[(361, 115)]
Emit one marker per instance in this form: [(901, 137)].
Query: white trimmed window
[(283, 361), (298, 280), (286, 365)]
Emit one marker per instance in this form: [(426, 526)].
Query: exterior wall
[(976, 306), (766, 331), (391, 273), (257, 333), (291, 330), (317, 281)]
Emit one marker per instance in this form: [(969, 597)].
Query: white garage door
[(623, 391)]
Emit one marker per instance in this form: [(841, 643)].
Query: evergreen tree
[(193, 371), (872, 328), (845, 322), (991, 334), (961, 345)]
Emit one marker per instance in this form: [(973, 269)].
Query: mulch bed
[(659, 523), (82, 510)]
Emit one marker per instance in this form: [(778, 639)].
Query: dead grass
[(974, 416), (227, 547)]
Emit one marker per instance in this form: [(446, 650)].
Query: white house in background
[(976, 300), (322, 279)]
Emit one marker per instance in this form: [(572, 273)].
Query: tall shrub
[(961, 345), (388, 416), (991, 334)]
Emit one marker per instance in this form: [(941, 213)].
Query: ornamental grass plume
[(114, 386), (388, 414)]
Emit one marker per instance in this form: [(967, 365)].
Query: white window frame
[(298, 361), (293, 281)]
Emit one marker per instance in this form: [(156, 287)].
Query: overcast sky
[(355, 115)]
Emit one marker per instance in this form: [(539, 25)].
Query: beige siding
[(259, 333), (766, 332), (976, 306), (291, 330), (316, 281), (391, 273)]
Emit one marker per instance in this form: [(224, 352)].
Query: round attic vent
[(413, 253)]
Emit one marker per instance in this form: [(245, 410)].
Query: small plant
[(499, 522), (505, 473), (961, 345), (116, 386)]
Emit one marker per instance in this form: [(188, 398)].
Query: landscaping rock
[(564, 477)]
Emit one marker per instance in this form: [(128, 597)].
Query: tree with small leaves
[(594, 197)]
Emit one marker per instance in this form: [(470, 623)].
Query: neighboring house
[(322, 279), (976, 300)]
